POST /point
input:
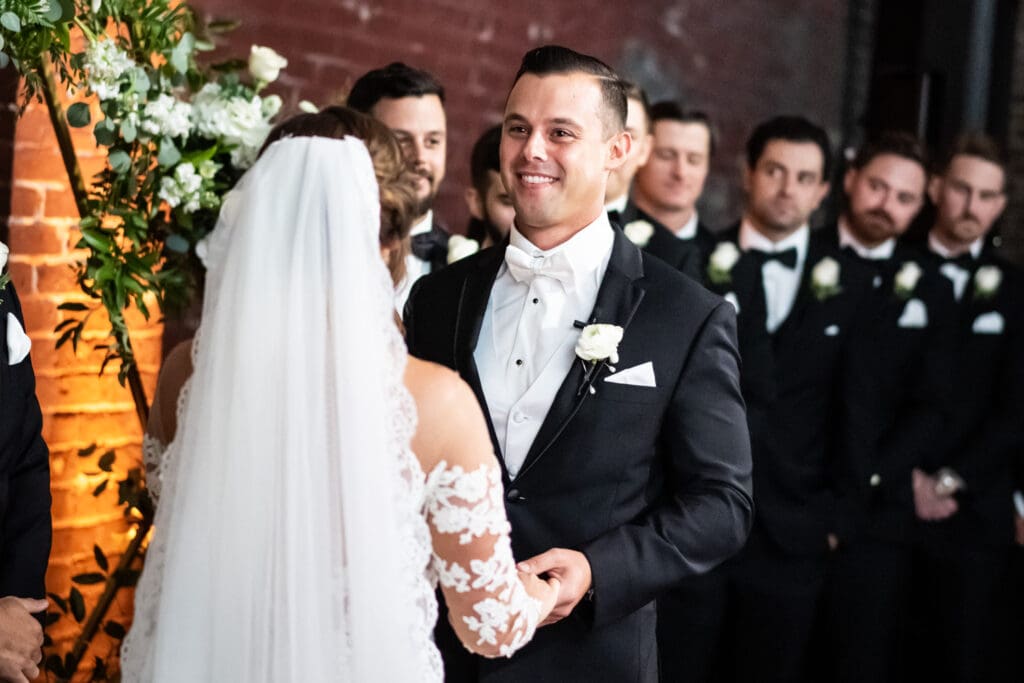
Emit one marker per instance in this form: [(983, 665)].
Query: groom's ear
[(618, 149)]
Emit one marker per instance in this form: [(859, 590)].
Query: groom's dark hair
[(555, 59), (394, 81)]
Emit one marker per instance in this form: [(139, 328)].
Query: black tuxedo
[(688, 256), (760, 606), (964, 559), (651, 484), (25, 528), (904, 366)]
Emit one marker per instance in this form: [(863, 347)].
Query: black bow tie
[(428, 246), (786, 257), (615, 217), (965, 261)]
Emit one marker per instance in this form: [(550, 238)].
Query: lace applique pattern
[(496, 608)]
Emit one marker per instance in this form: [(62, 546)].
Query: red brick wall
[(742, 60)]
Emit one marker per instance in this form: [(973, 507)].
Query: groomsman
[(905, 367), (621, 209), (668, 186), (411, 103), (964, 557), (25, 528), (802, 308), (623, 482), (490, 206)]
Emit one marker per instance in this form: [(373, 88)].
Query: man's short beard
[(426, 204)]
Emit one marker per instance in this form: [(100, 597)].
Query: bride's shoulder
[(449, 417)]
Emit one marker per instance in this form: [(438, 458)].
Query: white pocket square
[(639, 376), (18, 343), (915, 314), (831, 330), (988, 323)]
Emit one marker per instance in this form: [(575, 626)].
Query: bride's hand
[(544, 590)]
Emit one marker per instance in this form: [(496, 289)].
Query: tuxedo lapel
[(473, 298), (617, 301)]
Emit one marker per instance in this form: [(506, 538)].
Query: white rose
[(4, 251), (639, 232), (826, 273), (988, 279), (599, 342), (725, 256), (908, 276), (460, 247), (264, 64)]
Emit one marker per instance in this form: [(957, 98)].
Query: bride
[(321, 483)]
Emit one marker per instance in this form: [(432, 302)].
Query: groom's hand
[(571, 568)]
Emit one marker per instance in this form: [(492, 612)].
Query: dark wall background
[(741, 60)]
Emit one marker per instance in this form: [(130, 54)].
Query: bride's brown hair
[(397, 192)]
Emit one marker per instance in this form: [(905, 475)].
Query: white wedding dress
[(295, 531)]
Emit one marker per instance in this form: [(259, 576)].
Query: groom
[(625, 474)]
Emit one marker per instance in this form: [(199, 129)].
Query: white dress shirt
[(689, 229), (415, 268), (882, 252), (617, 204), (527, 338), (781, 284), (958, 275)]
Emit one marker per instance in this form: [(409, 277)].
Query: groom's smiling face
[(556, 152)]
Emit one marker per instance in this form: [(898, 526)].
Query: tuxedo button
[(875, 480), (518, 418), (512, 496)]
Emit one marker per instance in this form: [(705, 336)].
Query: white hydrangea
[(167, 116), (183, 189), (106, 63), (235, 121)]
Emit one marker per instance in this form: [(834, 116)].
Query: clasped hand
[(930, 505), (21, 639), (571, 568)]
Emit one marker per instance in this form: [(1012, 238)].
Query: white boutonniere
[(825, 278), (987, 281), (460, 247), (597, 346), (721, 262), (639, 232), (5, 277), (906, 279)]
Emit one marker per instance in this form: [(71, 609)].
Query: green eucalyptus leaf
[(78, 115), (181, 52), (2, 43), (128, 131), (177, 243), (4, 60), (140, 80), (54, 11), (169, 154), (11, 22), (119, 161), (67, 10), (105, 133)]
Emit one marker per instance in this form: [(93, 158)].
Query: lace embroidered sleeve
[(472, 558)]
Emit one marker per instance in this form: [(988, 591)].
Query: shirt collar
[(424, 225), (751, 238), (587, 251), (689, 229), (617, 204), (883, 251), (939, 248)]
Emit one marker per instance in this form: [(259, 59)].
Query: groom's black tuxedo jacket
[(986, 431), (904, 364), (652, 484), (24, 471), (800, 387), (688, 256)]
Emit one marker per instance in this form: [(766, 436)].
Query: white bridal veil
[(283, 543)]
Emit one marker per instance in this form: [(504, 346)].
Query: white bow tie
[(523, 267)]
